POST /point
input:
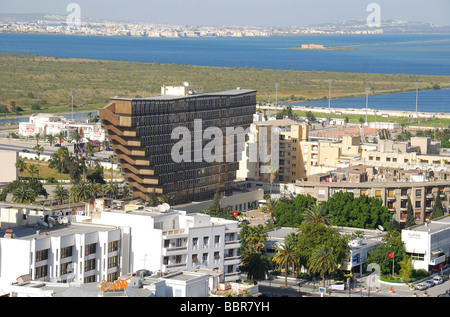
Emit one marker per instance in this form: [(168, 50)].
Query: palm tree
[(168, 199), (51, 138), (60, 193), (23, 194), (21, 166), (32, 169), (37, 136), (270, 207), (255, 237), (61, 136), (256, 265), (323, 261), (112, 159), (81, 191), (287, 256), (38, 150), (316, 214)]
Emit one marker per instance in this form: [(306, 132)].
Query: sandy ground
[(255, 217)]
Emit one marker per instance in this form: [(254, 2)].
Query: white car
[(339, 286), (438, 280)]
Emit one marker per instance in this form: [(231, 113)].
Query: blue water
[(392, 54), (401, 54), (427, 101)]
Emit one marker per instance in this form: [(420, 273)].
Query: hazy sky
[(239, 12)]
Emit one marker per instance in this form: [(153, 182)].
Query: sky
[(239, 12)]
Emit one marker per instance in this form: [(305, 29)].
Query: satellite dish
[(186, 84), (380, 227), (161, 208), (65, 220), (166, 206), (60, 220)]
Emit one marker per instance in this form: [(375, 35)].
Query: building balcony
[(232, 276), (233, 244), (232, 260), (173, 266), (437, 260), (174, 250)]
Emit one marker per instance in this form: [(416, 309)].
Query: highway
[(20, 145)]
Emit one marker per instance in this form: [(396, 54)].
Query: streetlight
[(330, 81), (417, 95), (277, 85), (71, 93), (367, 103)]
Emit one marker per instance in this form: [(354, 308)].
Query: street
[(300, 288), (20, 145)]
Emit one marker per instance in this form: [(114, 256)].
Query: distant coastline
[(335, 48)]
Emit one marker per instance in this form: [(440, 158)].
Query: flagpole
[(393, 260)]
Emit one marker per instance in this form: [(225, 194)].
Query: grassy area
[(46, 82)]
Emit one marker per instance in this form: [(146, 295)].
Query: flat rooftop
[(234, 92), (433, 226), (41, 232)]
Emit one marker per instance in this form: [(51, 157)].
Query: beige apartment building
[(392, 186), (291, 163)]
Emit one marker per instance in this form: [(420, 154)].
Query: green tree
[(438, 210), (38, 149), (21, 166), (410, 218), (406, 268), (256, 265), (253, 237), (60, 194), (323, 261), (81, 191), (316, 214), (23, 194), (153, 198), (287, 256), (314, 235), (289, 212), (32, 169), (392, 242), (270, 207)]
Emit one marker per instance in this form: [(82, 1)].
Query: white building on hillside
[(168, 241)]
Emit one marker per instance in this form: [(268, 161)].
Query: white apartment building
[(44, 124), (66, 252), (165, 240), (428, 244)]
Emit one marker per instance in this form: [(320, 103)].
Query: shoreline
[(355, 111)]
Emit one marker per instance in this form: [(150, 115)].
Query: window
[(41, 255), (321, 193), (89, 265), (194, 243), (391, 193), (41, 271), (205, 241), (113, 261), (418, 204), (216, 240), (378, 193), (66, 268), (113, 246), (418, 193), (90, 249), (363, 192), (66, 252)]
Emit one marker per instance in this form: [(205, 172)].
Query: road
[(299, 288), (20, 145)]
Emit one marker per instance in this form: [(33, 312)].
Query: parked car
[(108, 149), (429, 283), (339, 286), (58, 144), (421, 286), (25, 151), (438, 280)]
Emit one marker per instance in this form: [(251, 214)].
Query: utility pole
[(367, 104)]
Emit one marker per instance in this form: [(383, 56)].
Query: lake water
[(408, 54)]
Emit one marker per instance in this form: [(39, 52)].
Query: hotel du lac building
[(140, 130)]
